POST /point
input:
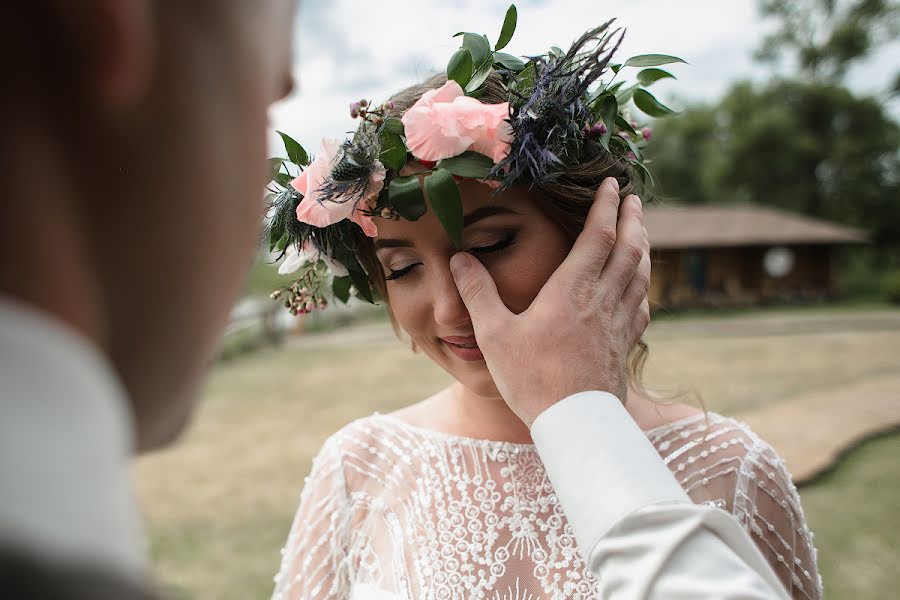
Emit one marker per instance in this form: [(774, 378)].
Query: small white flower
[(294, 259)]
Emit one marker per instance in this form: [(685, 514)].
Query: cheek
[(412, 311)]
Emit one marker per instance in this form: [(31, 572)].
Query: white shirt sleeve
[(640, 534)]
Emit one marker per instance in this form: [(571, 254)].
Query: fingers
[(622, 265), (479, 293), (639, 323), (636, 290), (596, 241)]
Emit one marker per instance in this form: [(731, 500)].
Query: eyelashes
[(503, 244)]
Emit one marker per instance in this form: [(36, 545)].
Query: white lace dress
[(391, 512)]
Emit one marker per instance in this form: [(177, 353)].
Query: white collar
[(65, 444)]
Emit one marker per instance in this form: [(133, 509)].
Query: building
[(742, 255)]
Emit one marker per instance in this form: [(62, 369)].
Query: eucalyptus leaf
[(645, 173), (623, 95), (648, 104), (609, 108), (615, 87), (275, 167), (341, 288), (651, 60), (650, 76), (393, 150), (394, 126), (637, 151), (479, 77), (508, 61), (468, 164), (295, 151), (557, 51), (616, 68), (283, 179), (443, 196), (358, 277), (624, 125), (460, 67), (405, 196), (508, 29), (478, 46)]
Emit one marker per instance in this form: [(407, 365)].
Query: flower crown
[(559, 113)]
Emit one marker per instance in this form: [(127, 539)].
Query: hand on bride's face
[(518, 244)]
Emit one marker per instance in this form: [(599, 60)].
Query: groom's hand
[(577, 333)]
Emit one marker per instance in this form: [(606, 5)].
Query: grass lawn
[(219, 503)]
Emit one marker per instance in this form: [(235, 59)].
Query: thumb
[(478, 291)]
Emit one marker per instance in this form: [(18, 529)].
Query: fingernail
[(459, 264), (638, 200), (615, 184)]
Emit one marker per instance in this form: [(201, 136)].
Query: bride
[(447, 498)]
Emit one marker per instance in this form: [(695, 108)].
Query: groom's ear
[(115, 43)]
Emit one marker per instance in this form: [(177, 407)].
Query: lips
[(465, 348)]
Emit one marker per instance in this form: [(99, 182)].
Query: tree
[(825, 37)]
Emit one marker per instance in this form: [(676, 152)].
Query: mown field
[(218, 504)]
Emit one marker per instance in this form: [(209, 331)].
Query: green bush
[(891, 286)]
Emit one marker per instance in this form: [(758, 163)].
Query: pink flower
[(647, 132), (322, 214), (445, 123)]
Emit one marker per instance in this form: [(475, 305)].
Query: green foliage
[(393, 150), (459, 69), (295, 151), (649, 105), (652, 60), (508, 29), (443, 196), (824, 37), (406, 197), (341, 288), (891, 286), (650, 76), (468, 164)]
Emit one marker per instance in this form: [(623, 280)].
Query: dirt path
[(813, 430)]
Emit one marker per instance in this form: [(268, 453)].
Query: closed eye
[(501, 245), (400, 272)]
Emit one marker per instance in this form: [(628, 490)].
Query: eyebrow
[(470, 219)]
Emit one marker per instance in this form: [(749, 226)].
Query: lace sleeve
[(724, 464), (314, 559), (767, 504)]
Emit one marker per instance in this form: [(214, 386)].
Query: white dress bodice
[(395, 512)]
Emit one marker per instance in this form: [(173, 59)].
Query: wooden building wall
[(736, 276)]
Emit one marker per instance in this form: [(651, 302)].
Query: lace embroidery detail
[(393, 512)]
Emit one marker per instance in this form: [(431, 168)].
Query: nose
[(449, 309)]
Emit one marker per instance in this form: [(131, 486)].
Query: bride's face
[(519, 245)]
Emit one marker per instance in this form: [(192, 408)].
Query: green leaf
[(479, 77), (468, 164), (651, 60), (358, 277), (283, 179), (625, 125), (405, 195), (460, 67), (609, 108), (615, 87), (508, 61), (648, 104), (443, 196), (557, 51), (478, 47), (275, 167), (508, 29), (295, 151), (645, 173), (341, 288), (650, 76), (394, 126), (624, 95), (616, 68), (637, 151), (393, 150)]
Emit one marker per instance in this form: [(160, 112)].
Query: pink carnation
[(321, 214), (445, 123)]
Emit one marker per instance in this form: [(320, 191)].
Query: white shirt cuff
[(600, 463)]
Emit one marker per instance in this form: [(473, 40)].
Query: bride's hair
[(566, 200)]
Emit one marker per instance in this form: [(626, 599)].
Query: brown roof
[(671, 227)]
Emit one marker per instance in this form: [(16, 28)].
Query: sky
[(346, 49)]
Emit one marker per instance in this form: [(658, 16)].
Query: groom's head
[(132, 160)]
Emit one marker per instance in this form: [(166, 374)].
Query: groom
[(132, 150)]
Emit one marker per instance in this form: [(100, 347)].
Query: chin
[(480, 383)]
